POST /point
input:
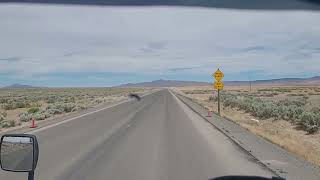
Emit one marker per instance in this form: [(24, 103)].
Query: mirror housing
[(19, 152)]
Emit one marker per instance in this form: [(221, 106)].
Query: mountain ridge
[(312, 81), (176, 83), (18, 86)]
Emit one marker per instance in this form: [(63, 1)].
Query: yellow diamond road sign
[(218, 85), (218, 75)]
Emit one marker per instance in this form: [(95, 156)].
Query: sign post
[(219, 102), (218, 84)]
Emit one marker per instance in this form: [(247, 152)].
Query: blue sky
[(104, 46)]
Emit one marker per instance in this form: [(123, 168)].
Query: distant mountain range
[(282, 82), (313, 81), (18, 86), (166, 83)]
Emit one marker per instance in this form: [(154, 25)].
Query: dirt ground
[(280, 132)]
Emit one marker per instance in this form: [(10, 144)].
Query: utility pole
[(250, 83)]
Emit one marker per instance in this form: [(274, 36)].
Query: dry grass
[(280, 132)]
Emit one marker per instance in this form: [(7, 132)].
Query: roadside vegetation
[(287, 116), (293, 111), (258, 104), (18, 106)]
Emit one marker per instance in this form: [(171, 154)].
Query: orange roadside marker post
[(33, 123), (209, 114)]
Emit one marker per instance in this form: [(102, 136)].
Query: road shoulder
[(274, 157)]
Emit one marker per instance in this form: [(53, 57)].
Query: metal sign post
[(218, 84), (219, 102)]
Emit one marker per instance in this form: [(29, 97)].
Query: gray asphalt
[(157, 138)]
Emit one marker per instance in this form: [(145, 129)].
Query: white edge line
[(86, 114)]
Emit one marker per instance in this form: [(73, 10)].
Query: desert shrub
[(8, 106), (98, 101), (198, 91), (230, 101), (281, 90), (12, 123), (3, 100), (293, 112), (54, 111), (79, 107), (60, 100), (25, 117), (54, 98), (264, 110), (3, 114), (7, 124), (69, 99), (260, 90), (248, 104), (39, 116), (290, 110), (20, 105), (63, 107), (51, 99), (33, 110), (67, 107), (35, 104), (315, 110), (294, 94), (15, 104), (309, 122), (299, 102), (47, 114), (212, 98), (270, 94)]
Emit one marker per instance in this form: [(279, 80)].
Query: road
[(157, 138)]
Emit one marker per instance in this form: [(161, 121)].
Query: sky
[(64, 46)]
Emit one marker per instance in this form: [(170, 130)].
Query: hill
[(282, 82), (166, 83), (18, 86)]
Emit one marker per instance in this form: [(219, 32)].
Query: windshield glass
[(163, 90)]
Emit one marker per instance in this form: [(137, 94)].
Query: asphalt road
[(157, 138)]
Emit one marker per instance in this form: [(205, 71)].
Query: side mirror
[(19, 153)]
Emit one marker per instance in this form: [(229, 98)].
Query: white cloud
[(53, 39)]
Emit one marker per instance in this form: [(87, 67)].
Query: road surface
[(157, 138)]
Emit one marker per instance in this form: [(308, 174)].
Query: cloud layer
[(46, 42)]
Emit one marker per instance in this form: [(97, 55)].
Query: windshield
[(163, 89)]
